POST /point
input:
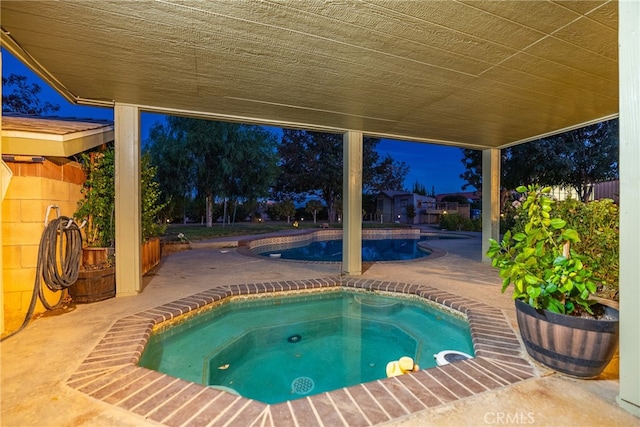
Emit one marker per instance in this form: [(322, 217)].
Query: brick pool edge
[(110, 373)]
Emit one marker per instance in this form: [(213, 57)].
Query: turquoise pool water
[(282, 348), (331, 250)]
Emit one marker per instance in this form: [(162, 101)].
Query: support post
[(629, 90), (1, 242), (352, 204), (490, 199), (127, 203)]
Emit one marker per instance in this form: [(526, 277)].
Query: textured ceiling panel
[(583, 7), (606, 14), (587, 35), (469, 73), (544, 17)]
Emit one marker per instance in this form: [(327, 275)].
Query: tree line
[(575, 159), (234, 167)]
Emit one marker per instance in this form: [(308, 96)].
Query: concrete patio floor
[(37, 362)]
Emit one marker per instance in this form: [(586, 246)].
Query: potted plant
[(97, 273), (96, 280), (562, 326)]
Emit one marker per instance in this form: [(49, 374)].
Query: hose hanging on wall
[(58, 263)]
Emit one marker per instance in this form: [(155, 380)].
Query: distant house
[(392, 206)]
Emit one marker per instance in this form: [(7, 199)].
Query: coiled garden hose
[(58, 263)]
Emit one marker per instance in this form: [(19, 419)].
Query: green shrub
[(475, 224), (540, 261), (98, 205), (456, 222), (597, 224), (150, 223), (411, 212)]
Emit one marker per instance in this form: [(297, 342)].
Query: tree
[(312, 162), (472, 161), (411, 212), (313, 207), (590, 155), (388, 174), (370, 204), (419, 189), (152, 225), (18, 96), (169, 152), (536, 161), (206, 141), (97, 206), (213, 160), (576, 159), (283, 209), (253, 165)]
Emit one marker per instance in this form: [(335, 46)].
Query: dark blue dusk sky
[(430, 165)]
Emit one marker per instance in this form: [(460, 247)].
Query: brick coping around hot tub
[(110, 372)]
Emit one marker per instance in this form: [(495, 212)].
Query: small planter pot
[(575, 346)]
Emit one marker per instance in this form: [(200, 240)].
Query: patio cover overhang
[(53, 136), (479, 74), (476, 74)]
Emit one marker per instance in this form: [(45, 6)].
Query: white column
[(127, 182), (629, 90), (352, 204), (490, 199), (1, 241)]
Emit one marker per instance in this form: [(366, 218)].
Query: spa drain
[(302, 385)]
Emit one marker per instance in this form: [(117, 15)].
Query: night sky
[(430, 165)]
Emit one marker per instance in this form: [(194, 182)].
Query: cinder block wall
[(34, 186)]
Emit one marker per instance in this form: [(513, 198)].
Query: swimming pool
[(378, 245), (287, 347), (331, 250)]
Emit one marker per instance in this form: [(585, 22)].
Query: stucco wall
[(34, 186)]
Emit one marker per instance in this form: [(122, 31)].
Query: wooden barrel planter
[(580, 347), (97, 276), (94, 285)]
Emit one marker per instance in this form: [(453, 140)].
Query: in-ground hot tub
[(282, 347), (110, 373)]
